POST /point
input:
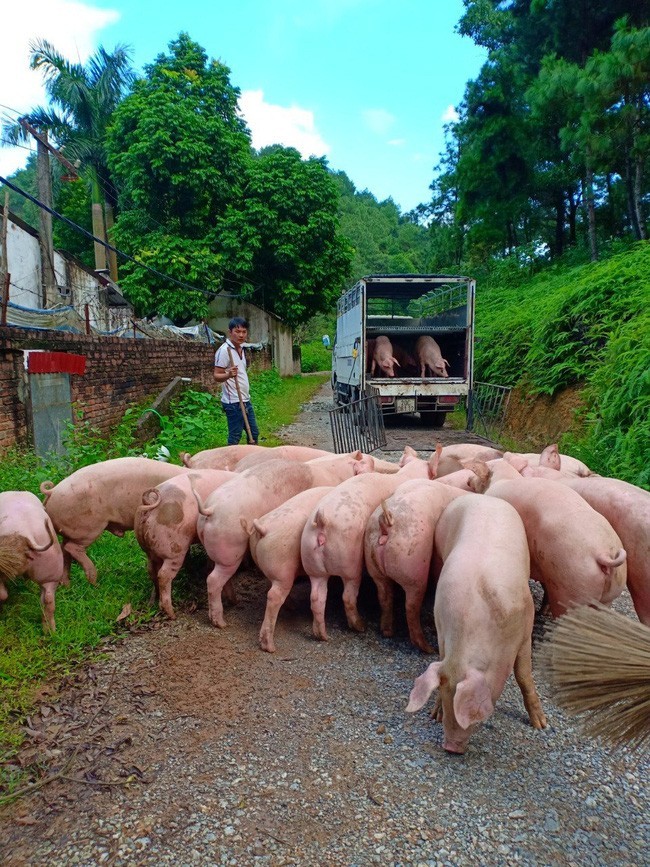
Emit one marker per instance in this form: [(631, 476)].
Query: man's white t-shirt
[(228, 387)]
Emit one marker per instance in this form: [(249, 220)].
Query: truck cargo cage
[(487, 407), (359, 424)]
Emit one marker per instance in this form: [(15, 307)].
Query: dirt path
[(186, 744)]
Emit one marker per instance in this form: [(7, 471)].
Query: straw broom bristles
[(598, 663), (12, 556)]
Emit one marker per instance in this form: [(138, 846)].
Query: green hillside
[(587, 326)]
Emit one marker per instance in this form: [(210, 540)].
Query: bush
[(314, 357)]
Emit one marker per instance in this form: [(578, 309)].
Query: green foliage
[(315, 357), (588, 324), (382, 241), (280, 240)]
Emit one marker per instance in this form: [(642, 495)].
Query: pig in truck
[(410, 337)]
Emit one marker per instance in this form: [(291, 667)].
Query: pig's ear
[(423, 687), (481, 478), (365, 465), (356, 456), (550, 457), (396, 362), (407, 454), (434, 460), (472, 699)]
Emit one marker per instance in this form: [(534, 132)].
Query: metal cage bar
[(489, 405), (358, 425)]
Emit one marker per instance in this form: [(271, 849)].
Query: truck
[(402, 308)]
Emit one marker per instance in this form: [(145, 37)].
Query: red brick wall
[(120, 372)]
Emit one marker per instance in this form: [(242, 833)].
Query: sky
[(368, 84)]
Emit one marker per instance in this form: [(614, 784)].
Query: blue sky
[(368, 84)]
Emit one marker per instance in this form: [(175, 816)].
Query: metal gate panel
[(358, 425), (51, 411)]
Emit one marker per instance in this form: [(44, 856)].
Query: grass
[(86, 615)]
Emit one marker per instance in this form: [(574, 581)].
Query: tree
[(179, 151), (82, 100), (280, 240)]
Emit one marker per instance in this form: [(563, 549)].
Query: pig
[(475, 478), (221, 458), (102, 496), (165, 526), (429, 356), (484, 615), (383, 358), (275, 548), (574, 552), (470, 451), (627, 508), (552, 458), (291, 453), (29, 546), (252, 494), (398, 547), (332, 541)]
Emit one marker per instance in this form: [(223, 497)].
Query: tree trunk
[(574, 204), (630, 191), (560, 219), (591, 211), (638, 176)]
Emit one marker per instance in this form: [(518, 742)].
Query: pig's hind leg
[(216, 581), (385, 594), (318, 598), (47, 605), (351, 585), (77, 551), (275, 599), (166, 575), (414, 598), (524, 677)]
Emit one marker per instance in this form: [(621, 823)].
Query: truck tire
[(433, 419)]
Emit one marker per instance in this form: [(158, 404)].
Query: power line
[(105, 244)]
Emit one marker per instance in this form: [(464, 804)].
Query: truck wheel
[(433, 419)]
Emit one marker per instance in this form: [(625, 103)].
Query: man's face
[(238, 335)]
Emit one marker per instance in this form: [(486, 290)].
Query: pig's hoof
[(267, 644), (218, 621), (320, 633), (424, 647)]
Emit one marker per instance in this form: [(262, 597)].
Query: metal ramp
[(358, 425)]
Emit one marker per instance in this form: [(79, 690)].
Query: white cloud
[(378, 120), (397, 142), (276, 124), (450, 115), (70, 26)]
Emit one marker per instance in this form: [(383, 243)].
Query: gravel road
[(187, 745)]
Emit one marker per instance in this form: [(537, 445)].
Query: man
[(230, 371)]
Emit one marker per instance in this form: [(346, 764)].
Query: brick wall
[(120, 372)]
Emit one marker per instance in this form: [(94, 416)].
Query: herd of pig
[(424, 358), (477, 521)]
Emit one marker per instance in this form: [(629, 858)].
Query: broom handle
[(241, 401)]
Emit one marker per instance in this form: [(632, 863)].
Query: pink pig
[(102, 496), (253, 493), (552, 458), (165, 526), (484, 616), (627, 508), (430, 357), (289, 453), (332, 541), (275, 548), (383, 358), (574, 552), (28, 546), (398, 548), (221, 458)]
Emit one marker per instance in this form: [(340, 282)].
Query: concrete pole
[(49, 298)]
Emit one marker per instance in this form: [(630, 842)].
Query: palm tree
[(82, 99)]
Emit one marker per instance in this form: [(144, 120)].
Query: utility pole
[(45, 235)]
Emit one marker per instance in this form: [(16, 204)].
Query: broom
[(598, 663)]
